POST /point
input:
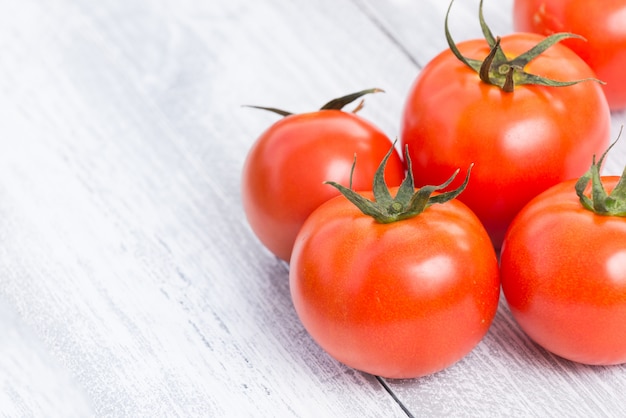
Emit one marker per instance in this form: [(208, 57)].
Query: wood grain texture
[(130, 283), (129, 272)]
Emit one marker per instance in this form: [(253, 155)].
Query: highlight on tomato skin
[(398, 299), (283, 174), (563, 268), (602, 24)]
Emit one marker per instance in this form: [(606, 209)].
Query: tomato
[(283, 175), (601, 23), (522, 142), (563, 270), (399, 299)]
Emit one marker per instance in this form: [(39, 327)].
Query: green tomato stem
[(335, 104), (407, 203), (599, 201), (499, 71)]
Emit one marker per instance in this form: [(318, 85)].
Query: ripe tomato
[(601, 23), (400, 299), (563, 270), (283, 175), (522, 142)]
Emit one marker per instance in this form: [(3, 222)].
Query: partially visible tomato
[(601, 23), (400, 299), (522, 141), (283, 175), (563, 269)]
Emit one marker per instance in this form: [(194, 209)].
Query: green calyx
[(407, 203), (335, 104), (496, 69), (599, 201)]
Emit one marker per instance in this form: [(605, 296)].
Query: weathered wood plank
[(129, 273)]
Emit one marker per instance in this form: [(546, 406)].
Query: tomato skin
[(521, 142), (397, 300), (283, 175), (601, 23), (563, 271)]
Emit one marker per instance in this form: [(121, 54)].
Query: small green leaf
[(598, 194), (380, 189), (541, 47), (407, 188), (339, 103), (491, 40), (271, 109), (419, 201), (526, 78), (580, 187), (599, 202), (619, 192), (365, 205), (335, 104), (472, 63), (616, 205), (453, 194)]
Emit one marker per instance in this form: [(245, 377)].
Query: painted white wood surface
[(130, 283)]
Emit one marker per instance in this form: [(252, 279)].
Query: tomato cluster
[(393, 264)]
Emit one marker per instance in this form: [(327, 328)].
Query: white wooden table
[(130, 282)]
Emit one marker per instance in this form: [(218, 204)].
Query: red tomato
[(285, 169), (522, 142), (601, 23), (398, 300), (563, 272)]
